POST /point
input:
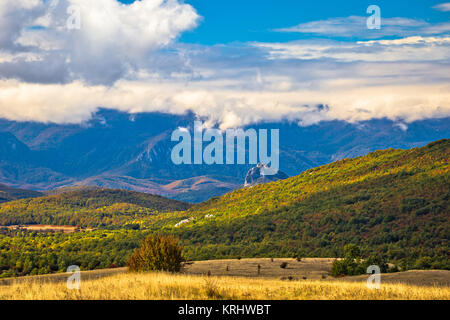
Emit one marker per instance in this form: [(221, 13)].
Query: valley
[(392, 203), (193, 150)]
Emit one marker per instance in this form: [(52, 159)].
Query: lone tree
[(157, 252)]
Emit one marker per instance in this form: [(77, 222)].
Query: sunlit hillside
[(90, 207), (392, 203)]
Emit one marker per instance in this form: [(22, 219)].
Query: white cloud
[(443, 7), (347, 100), (356, 27), (406, 49), (402, 126), (126, 57), (14, 16), (114, 34), (114, 39)]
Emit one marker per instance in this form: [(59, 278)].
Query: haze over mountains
[(132, 151)]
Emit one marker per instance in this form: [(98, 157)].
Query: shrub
[(347, 267), (283, 265), (423, 263), (162, 253), (353, 265)]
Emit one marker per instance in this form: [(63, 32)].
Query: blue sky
[(253, 20), (233, 62)]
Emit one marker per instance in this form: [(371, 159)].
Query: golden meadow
[(165, 286)]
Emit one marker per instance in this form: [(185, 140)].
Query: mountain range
[(132, 151)]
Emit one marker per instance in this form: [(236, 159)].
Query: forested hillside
[(91, 207), (391, 203)]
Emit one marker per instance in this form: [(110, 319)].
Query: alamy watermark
[(221, 149), (73, 21), (374, 280), (74, 280), (374, 21)]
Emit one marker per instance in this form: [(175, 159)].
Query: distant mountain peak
[(110, 150), (256, 175)]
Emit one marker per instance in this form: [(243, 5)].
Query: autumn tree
[(157, 252)]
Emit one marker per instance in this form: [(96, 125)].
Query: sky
[(232, 62)]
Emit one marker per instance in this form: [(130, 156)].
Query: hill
[(9, 194), (390, 202), (87, 207)]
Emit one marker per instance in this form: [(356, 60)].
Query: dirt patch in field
[(307, 268), (47, 227)]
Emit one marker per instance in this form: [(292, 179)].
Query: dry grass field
[(232, 279), (163, 286), (412, 277), (307, 269), (62, 277)]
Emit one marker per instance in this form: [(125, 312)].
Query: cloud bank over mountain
[(127, 57)]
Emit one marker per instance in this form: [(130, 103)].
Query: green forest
[(390, 203)]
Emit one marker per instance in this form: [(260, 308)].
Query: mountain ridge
[(10, 194), (116, 149)]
